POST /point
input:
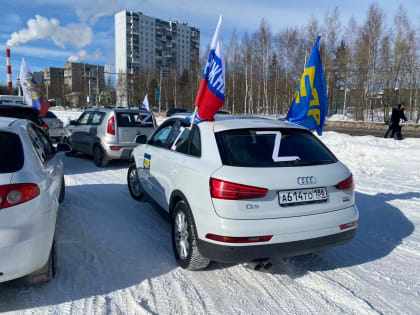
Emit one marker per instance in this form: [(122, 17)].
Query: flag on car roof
[(145, 104), (211, 93), (31, 91), (309, 107)]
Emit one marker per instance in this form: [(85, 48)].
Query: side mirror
[(73, 123), (142, 139), (63, 147)]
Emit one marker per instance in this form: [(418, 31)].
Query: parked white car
[(31, 187), (244, 190)]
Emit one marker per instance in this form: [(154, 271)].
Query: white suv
[(244, 190), (31, 187)]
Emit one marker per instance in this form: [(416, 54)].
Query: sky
[(50, 32)]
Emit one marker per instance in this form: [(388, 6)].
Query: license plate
[(299, 196)]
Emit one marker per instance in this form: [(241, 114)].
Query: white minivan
[(31, 188), (241, 189)]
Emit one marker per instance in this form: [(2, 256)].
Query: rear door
[(133, 123), (90, 137), (52, 167), (79, 133), (298, 171)]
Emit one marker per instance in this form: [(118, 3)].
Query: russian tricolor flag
[(211, 93)]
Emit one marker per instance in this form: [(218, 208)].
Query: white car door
[(152, 174)]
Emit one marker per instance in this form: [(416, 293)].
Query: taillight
[(114, 148), (111, 126), (246, 239), (45, 127), (221, 189), (346, 184), (14, 194)]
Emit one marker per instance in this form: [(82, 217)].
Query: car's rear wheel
[(62, 191), (99, 157), (184, 239), (133, 183)]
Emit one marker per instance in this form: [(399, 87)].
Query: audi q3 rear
[(246, 189), (279, 192)]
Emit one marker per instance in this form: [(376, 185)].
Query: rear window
[(50, 115), (11, 158), (271, 148), (134, 120)]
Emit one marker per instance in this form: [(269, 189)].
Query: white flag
[(30, 89), (145, 104)]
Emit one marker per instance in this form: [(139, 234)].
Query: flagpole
[(193, 117)]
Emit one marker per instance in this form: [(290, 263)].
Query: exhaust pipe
[(260, 264), (255, 265), (267, 264)]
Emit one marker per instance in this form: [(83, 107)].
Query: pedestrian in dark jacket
[(397, 119)]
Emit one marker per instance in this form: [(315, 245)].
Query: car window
[(38, 144), (260, 148), (11, 159), (195, 148), (175, 132), (97, 118), (50, 115), (160, 138), (134, 119), (181, 144), (84, 119)]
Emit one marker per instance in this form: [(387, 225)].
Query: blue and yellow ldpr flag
[(309, 107)]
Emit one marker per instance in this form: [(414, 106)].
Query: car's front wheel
[(184, 239), (133, 183)]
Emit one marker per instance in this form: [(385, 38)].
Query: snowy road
[(115, 254)]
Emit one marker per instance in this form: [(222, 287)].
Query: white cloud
[(38, 52), (83, 55), (79, 35)]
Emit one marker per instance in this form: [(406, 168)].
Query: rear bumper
[(241, 254), (56, 132), (124, 152)]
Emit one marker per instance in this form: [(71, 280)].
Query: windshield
[(271, 148)]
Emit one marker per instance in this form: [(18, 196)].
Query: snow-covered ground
[(115, 254)]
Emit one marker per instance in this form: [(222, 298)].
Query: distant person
[(391, 122), (397, 120)]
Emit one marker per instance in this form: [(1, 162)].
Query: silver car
[(55, 126), (108, 133)]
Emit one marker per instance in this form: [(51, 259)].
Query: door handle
[(173, 172)]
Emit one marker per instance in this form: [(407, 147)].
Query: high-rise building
[(54, 82), (85, 78), (144, 43)]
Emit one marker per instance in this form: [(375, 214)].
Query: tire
[(99, 157), (133, 183), (184, 239), (48, 271), (62, 191), (72, 152)]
